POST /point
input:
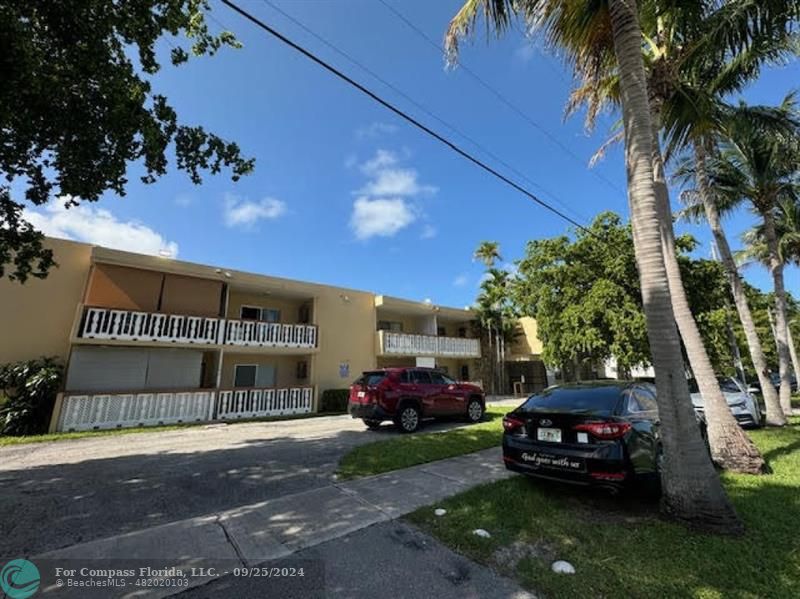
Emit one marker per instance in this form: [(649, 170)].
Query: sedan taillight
[(604, 430), (513, 425)]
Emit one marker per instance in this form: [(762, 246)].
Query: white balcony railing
[(127, 325), (270, 334), (428, 345), (104, 323), (81, 412), (106, 410), (255, 403)]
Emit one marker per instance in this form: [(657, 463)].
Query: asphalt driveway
[(54, 495)]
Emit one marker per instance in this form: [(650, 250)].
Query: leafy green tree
[(77, 107), (584, 294), (29, 390)]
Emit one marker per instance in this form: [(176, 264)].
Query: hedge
[(334, 400)]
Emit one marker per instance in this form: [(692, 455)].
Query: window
[(370, 379), (302, 370), (244, 375), (249, 313), (252, 375), (421, 377), (462, 332), (405, 377), (593, 401), (641, 399), (441, 331), (441, 379), (389, 325), (262, 314), (465, 373), (304, 314)]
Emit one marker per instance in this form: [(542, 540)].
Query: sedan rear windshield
[(583, 399), (370, 379)]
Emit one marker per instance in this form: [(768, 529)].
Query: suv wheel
[(408, 419), (372, 424), (474, 410)]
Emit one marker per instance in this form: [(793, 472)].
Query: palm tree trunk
[(730, 446), (781, 321), (775, 416), (793, 353), (692, 491)]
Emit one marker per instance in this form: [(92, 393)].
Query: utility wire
[(452, 128), (328, 67), (508, 103)]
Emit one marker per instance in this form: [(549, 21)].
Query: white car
[(742, 403)]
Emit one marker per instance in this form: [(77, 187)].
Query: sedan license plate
[(361, 394), (553, 435)]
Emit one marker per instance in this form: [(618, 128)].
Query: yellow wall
[(527, 343), (36, 318), (286, 368), (347, 325), (289, 308)]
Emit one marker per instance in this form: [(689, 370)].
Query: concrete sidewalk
[(276, 528)]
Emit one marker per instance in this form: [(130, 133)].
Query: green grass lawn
[(8, 440), (409, 450), (620, 548)]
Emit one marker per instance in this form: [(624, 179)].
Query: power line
[(328, 67), (508, 103), (401, 93)]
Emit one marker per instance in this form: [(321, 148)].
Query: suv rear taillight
[(604, 430), (513, 425)]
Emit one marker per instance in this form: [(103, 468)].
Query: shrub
[(30, 390), (334, 400)]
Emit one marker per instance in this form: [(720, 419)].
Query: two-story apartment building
[(149, 340)]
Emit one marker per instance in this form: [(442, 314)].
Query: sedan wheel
[(474, 410), (408, 420)]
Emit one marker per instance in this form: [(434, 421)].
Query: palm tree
[(697, 38), (495, 311), (692, 491), (758, 164), (488, 252), (787, 228)]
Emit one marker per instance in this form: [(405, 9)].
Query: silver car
[(742, 403)]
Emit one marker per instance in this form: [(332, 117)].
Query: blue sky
[(346, 193)]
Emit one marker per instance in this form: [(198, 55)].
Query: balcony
[(110, 410), (126, 325), (402, 344)]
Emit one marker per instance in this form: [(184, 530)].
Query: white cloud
[(381, 217), (396, 182), (239, 212), (460, 280), (183, 200), (381, 160), (428, 232), (374, 130), (383, 206), (98, 226)]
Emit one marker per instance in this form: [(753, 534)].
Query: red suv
[(407, 395)]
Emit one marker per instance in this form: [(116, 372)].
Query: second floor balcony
[(404, 344), (128, 325)]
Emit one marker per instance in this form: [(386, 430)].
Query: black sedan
[(599, 433)]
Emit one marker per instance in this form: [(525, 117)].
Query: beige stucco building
[(150, 340)]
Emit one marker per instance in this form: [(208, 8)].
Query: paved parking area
[(55, 495)]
